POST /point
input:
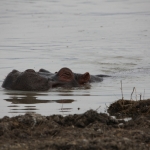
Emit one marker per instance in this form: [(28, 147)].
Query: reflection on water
[(32, 98), (26, 100), (13, 106), (24, 109)]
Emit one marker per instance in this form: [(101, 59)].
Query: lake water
[(101, 37)]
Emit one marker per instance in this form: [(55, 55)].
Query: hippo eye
[(65, 74)]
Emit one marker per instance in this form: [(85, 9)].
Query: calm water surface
[(101, 37)]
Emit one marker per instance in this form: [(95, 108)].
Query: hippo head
[(30, 80), (66, 78)]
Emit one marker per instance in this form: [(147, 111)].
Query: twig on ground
[(106, 105), (98, 108), (135, 94), (132, 93), (144, 94), (140, 96), (121, 89)]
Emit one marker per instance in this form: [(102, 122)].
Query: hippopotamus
[(43, 80)]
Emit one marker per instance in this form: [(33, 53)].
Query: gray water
[(101, 37)]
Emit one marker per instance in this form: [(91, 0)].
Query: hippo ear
[(65, 74), (84, 78)]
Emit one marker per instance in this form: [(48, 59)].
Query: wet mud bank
[(129, 108), (91, 130)]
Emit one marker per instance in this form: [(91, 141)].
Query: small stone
[(100, 130), (121, 125)]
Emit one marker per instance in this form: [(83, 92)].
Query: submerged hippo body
[(44, 80)]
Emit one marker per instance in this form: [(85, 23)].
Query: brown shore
[(88, 131)]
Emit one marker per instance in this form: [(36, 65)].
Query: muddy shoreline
[(91, 130)]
